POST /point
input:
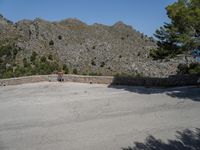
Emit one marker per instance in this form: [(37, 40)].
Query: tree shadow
[(190, 92), (173, 86), (171, 81), (185, 140)]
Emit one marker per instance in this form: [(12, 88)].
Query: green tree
[(182, 34)]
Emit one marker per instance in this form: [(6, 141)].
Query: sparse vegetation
[(102, 64), (7, 60), (7, 51), (43, 59), (25, 62), (193, 68), (60, 37), (51, 42), (109, 68), (50, 57), (93, 63), (65, 68), (33, 56), (33, 66), (75, 71), (87, 51), (95, 74)]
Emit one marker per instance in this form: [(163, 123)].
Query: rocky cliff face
[(100, 49)]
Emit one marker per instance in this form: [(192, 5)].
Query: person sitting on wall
[(60, 76)]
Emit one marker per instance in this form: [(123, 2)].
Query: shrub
[(15, 52), (94, 74), (50, 57), (40, 66), (19, 71), (8, 74), (65, 68), (54, 67), (93, 63), (25, 62), (193, 68), (43, 59), (29, 71), (102, 64), (60, 37), (75, 71), (109, 68), (1, 61), (8, 50), (182, 69), (84, 74), (33, 56), (51, 42), (44, 68)]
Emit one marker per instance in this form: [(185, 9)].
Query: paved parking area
[(74, 116)]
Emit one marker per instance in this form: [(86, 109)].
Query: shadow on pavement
[(186, 140), (192, 93)]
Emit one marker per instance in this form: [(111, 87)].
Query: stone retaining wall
[(22, 80), (176, 80), (183, 80), (53, 78), (89, 79)]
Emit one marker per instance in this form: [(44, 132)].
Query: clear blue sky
[(144, 15)]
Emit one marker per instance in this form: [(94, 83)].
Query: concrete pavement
[(74, 116)]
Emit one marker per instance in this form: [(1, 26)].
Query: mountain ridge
[(97, 48)]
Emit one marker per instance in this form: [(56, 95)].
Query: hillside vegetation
[(41, 47)]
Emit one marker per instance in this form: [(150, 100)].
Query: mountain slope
[(88, 49)]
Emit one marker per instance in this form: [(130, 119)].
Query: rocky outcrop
[(100, 49)]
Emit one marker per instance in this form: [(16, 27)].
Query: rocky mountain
[(88, 49)]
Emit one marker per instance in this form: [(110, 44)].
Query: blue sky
[(144, 15)]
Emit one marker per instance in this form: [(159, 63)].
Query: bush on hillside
[(75, 71), (193, 68)]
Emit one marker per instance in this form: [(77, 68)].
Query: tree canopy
[(182, 34)]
